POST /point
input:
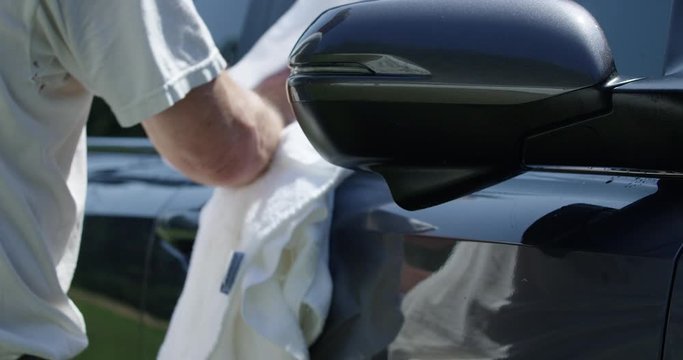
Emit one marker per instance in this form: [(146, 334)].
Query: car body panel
[(583, 300)]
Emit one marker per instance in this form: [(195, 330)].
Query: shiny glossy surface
[(543, 265), (439, 96), (527, 44)]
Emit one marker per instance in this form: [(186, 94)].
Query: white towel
[(281, 293)]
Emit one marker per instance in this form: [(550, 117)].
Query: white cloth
[(282, 291), (141, 57)]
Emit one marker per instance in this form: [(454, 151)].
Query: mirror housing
[(438, 96)]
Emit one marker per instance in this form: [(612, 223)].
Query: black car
[(517, 197)]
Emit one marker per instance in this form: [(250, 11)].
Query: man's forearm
[(219, 134)]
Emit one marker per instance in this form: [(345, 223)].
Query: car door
[(540, 266)]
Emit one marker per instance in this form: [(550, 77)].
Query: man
[(155, 63)]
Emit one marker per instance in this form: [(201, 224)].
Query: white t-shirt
[(141, 56)]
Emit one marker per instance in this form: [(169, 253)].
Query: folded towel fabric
[(258, 286)]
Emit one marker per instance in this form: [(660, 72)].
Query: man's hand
[(219, 134)]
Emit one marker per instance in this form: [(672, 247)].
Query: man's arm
[(219, 134)]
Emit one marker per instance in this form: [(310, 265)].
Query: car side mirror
[(441, 97)]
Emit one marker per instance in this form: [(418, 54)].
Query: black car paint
[(479, 131), (587, 286)]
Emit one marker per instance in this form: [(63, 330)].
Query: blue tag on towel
[(233, 269)]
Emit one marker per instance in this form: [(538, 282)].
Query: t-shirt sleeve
[(140, 56)]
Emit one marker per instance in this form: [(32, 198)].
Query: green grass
[(116, 331)]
